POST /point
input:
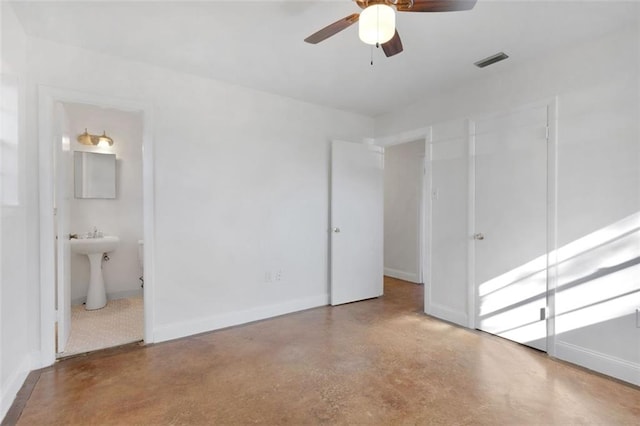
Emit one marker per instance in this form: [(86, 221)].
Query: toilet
[(141, 260)]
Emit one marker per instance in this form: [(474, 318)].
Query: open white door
[(357, 221), (62, 169)]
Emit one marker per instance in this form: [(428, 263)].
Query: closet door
[(510, 226)]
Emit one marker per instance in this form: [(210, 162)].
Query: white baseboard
[(447, 314), (12, 386), (596, 361), (112, 296), (402, 275), (188, 328), (37, 361)]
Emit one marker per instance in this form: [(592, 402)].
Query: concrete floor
[(380, 361)]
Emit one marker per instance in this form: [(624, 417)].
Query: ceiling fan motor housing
[(366, 3)]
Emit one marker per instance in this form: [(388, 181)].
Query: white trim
[(427, 218), (472, 290), (402, 275), (47, 97), (47, 266), (552, 223), (448, 314), (149, 222), (12, 385), (427, 298), (596, 361), (201, 325), (422, 214)]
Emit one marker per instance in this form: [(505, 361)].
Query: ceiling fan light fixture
[(377, 24)]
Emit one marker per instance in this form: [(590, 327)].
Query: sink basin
[(94, 248), (94, 245)]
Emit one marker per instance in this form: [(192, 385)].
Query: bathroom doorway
[(100, 199), (101, 188)]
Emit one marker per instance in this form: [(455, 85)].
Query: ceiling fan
[(377, 24)]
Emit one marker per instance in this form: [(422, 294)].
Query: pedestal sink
[(95, 248)]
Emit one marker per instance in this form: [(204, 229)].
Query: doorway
[(510, 225), (365, 191), (404, 172), (98, 199), (55, 137)]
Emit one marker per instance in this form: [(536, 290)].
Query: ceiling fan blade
[(436, 5), (393, 46), (332, 29)]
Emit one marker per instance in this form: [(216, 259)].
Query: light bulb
[(377, 24)]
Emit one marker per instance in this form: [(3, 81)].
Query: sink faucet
[(95, 233)]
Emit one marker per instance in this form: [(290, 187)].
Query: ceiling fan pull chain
[(371, 55)]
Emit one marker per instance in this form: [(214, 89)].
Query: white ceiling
[(260, 44)]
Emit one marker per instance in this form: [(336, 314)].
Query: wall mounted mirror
[(95, 175)]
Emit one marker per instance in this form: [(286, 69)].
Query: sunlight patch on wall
[(598, 281)]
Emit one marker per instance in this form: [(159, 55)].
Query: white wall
[(598, 185), (241, 187), (121, 216), (403, 174), (15, 350)]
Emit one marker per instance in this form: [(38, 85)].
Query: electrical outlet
[(279, 275)]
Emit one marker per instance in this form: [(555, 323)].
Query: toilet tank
[(141, 254)]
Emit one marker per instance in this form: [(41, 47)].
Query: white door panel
[(356, 222), (510, 226), (62, 167)]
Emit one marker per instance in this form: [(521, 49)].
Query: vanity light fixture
[(88, 139), (105, 139)]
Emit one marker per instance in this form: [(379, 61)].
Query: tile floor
[(118, 323)]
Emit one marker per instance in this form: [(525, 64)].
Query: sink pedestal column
[(97, 295)]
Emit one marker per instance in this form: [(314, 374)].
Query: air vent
[(491, 60)]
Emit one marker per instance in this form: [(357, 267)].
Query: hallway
[(380, 361)]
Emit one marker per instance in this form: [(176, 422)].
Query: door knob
[(336, 230), (478, 236)]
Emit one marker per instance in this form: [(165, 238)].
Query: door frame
[(424, 244), (551, 214), (62, 203), (47, 99)]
